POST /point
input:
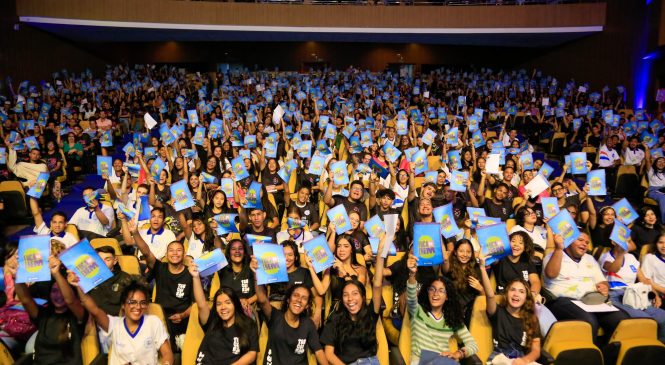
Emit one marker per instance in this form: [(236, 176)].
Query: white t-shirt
[(633, 158), (627, 274), (655, 180), (86, 220), (304, 237), (194, 247), (157, 241), (653, 267), (606, 157), (401, 195), (67, 239), (538, 235), (575, 278), (140, 349)]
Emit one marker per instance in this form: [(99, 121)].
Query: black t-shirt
[(350, 206), (222, 345), (297, 277), (268, 178), (505, 271), (309, 212), (174, 291), (50, 346), (507, 331), (503, 210), (355, 346), (242, 283), (359, 240), (288, 345), (107, 294)]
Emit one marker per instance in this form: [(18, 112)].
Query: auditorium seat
[(571, 343), (193, 337), (100, 242), (89, 343), (16, 208), (382, 352), (129, 264), (635, 341)]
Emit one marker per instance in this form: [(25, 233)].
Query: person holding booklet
[(135, 336), (58, 226), (230, 336), (157, 234), (306, 208), (238, 275), (95, 219)]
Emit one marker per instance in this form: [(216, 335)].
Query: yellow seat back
[(214, 286), (637, 333), (569, 336), (405, 338), (100, 242), (129, 264), (193, 337), (382, 352), (263, 343), (481, 328), (89, 344)]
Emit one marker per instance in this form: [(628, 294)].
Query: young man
[(157, 234), (58, 229), (95, 219), (25, 171), (308, 211), (498, 206), (257, 223), (173, 282), (352, 203)]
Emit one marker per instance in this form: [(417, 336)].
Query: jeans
[(563, 308), (656, 195), (366, 361), (616, 296)]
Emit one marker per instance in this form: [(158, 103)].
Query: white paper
[(582, 89), (492, 163), (596, 308), (537, 186), (277, 114), (426, 94), (546, 101), (390, 221), (260, 88), (150, 122)]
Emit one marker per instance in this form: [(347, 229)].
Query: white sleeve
[(647, 266), (76, 217), (160, 332), (113, 322), (110, 215), (42, 229), (597, 272), (606, 257)]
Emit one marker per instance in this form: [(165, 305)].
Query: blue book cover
[(255, 239), (182, 196), (3, 155), (445, 216), (306, 128), (86, 263), (166, 135), (199, 135), (143, 208), (366, 138), (625, 212), (272, 264), (458, 180), (461, 100), (620, 235), (193, 117), (527, 161), (546, 170), (339, 171), (128, 213), (375, 227), (452, 137), (378, 169), (104, 165), (31, 143), (26, 125), (226, 223), (331, 132), (649, 139), (578, 162), (402, 126), (494, 242), (190, 153), (473, 123), (409, 152), (211, 262), (38, 188), (323, 121), (208, 179), (427, 244), (431, 176), (33, 254), (295, 223), (419, 159), (238, 165), (253, 196), (374, 246), (250, 141), (563, 224), (550, 206), (316, 166), (149, 152), (454, 159), (487, 221), (474, 213), (216, 129), (392, 152), (106, 139), (156, 168), (245, 154), (129, 149), (478, 139), (596, 181), (305, 149), (428, 137), (319, 252), (340, 217), (226, 184)]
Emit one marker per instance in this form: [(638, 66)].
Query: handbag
[(636, 296), (593, 298), (16, 323)]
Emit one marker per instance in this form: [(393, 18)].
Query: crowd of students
[(287, 131)]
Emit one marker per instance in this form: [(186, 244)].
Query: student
[(464, 273), (352, 203), (173, 283), (307, 210), (436, 315), (135, 337), (158, 236), (257, 225), (349, 336), (108, 294), (200, 237), (60, 323), (58, 226), (94, 220), (296, 233), (238, 275), (230, 336), (653, 267)]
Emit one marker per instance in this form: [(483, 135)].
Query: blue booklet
[(143, 208), (527, 161), (392, 152), (478, 139), (452, 137), (166, 135), (319, 252), (3, 155), (106, 140), (624, 211), (427, 244), (129, 149), (315, 166), (563, 224), (38, 188), (226, 184), (428, 137), (340, 217), (255, 239), (295, 223), (620, 235), (375, 226), (596, 181), (378, 169), (474, 213), (546, 170), (226, 223), (339, 172), (193, 117), (182, 196), (156, 168), (272, 264), (211, 262), (374, 245), (86, 263), (305, 149), (578, 162), (208, 179), (253, 196), (455, 160), (199, 136), (149, 152), (128, 213), (238, 165), (550, 206), (33, 254), (494, 242), (250, 141), (420, 161), (459, 180), (445, 216), (487, 221), (104, 165), (431, 176)]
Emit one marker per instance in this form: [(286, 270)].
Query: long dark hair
[(460, 272), (296, 255), (452, 310), (362, 327), (245, 257), (209, 239), (287, 299), (243, 323)]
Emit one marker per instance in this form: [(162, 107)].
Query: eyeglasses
[(433, 290), (556, 190), (529, 212), (134, 303)]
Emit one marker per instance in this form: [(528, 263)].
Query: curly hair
[(453, 313), (528, 245), (364, 325), (460, 272), (527, 312), (245, 257)]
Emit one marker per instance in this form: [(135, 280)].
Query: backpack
[(637, 296)]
